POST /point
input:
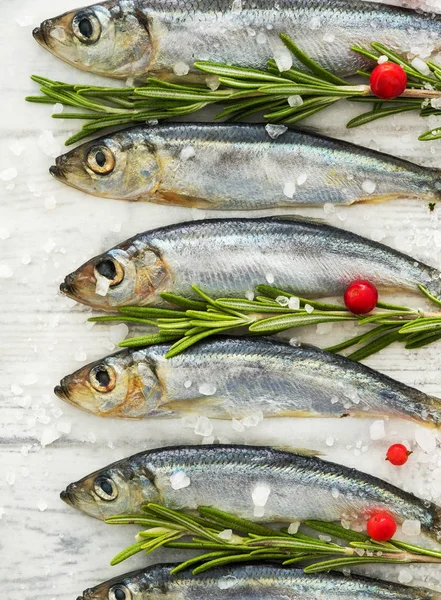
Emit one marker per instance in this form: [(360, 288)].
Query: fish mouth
[(39, 34), (66, 496), (61, 392), (57, 172), (67, 288)]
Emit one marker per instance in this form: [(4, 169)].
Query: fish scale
[(239, 167), (300, 487), (252, 582), (135, 37)]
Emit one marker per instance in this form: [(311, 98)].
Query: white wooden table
[(47, 550)]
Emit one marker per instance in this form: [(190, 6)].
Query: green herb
[(270, 313), (251, 542), (242, 92)]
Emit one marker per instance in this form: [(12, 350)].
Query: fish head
[(122, 166), (131, 586), (132, 274), (110, 39), (123, 385), (121, 488)]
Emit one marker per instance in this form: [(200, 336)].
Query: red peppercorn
[(361, 297), (398, 454), (381, 527), (388, 81)]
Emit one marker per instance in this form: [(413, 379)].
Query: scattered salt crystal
[(315, 23), (203, 427), (253, 420), (425, 439), (30, 379), (249, 295), (334, 399), (330, 440), (25, 259), (180, 69), (309, 309), (212, 82), (118, 333), (294, 303), (4, 233), (64, 426), (275, 131), (50, 203), (404, 576), (24, 20), (187, 384), (48, 144), (24, 401), (179, 480), (345, 524), (411, 527), (80, 356), (189, 421), (226, 534), (57, 109), (293, 527), (42, 505), (376, 430), (49, 246), (10, 478), (294, 342), (207, 389), (261, 38), (226, 581), (360, 551), (368, 186), (16, 148), (325, 538), (270, 278), (382, 59), (49, 436), (282, 300), (436, 103), (289, 189), (116, 227), (420, 66), (8, 174), (260, 494), (16, 389), (283, 58), (295, 100), (302, 178), (237, 425), (329, 38), (56, 412), (102, 285), (187, 153), (335, 493)]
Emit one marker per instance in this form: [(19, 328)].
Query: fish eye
[(106, 489), (86, 27), (102, 378), (111, 270), (101, 160), (119, 592)]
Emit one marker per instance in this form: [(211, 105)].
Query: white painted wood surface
[(47, 550)]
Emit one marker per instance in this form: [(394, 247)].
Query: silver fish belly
[(251, 582), (237, 167), (232, 256), (245, 376), (128, 38), (295, 486)]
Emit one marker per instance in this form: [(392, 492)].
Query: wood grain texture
[(55, 553)]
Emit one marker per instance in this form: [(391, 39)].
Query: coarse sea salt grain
[(48, 144), (283, 58), (253, 420), (187, 153), (294, 527), (42, 505), (436, 103), (309, 309), (226, 534), (4, 233), (261, 38), (382, 59), (49, 436), (411, 527), (207, 389), (213, 82), (226, 582), (6, 272), (270, 278), (64, 426), (295, 100), (404, 576), (425, 439), (24, 20), (275, 131), (179, 480), (30, 379), (203, 427), (282, 300), (8, 174), (376, 430), (17, 148), (57, 109), (260, 494), (50, 203), (329, 38), (180, 69), (289, 189), (330, 441), (301, 179), (80, 356), (102, 285), (420, 66), (294, 303), (368, 186), (118, 333), (16, 390), (315, 23)]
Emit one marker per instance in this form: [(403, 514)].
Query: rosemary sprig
[(226, 539), (274, 311), (243, 92)]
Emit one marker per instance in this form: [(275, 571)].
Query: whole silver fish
[(295, 487), (251, 582), (129, 38), (232, 256), (246, 375), (237, 167)]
